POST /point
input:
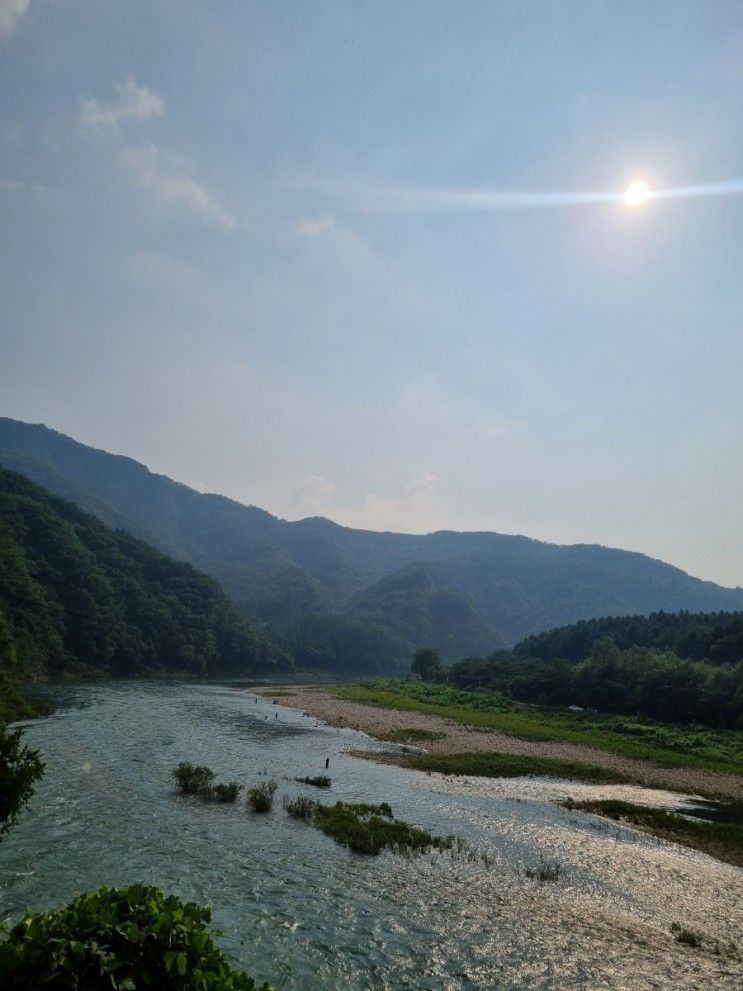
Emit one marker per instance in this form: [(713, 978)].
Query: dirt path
[(378, 722)]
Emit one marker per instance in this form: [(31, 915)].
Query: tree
[(425, 662), (20, 769)]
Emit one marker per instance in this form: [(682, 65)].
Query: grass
[(260, 798), (227, 792), (663, 744), (319, 781), (722, 840), (193, 780), (548, 872), (412, 735), (496, 765), (366, 828)]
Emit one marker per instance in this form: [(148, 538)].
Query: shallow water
[(294, 906)]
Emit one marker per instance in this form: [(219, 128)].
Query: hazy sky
[(239, 244)]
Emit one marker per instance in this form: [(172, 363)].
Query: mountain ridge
[(280, 571)]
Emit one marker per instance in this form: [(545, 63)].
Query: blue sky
[(220, 256)]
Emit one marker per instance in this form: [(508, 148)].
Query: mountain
[(76, 595), (498, 587)]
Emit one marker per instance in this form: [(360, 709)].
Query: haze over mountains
[(463, 593)]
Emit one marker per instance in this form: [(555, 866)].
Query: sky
[(280, 250)]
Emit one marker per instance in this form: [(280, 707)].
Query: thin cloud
[(169, 186), (311, 227), (132, 102), (156, 171), (11, 11)]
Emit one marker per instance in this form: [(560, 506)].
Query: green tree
[(20, 769), (425, 662)]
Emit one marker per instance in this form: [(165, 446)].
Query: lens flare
[(637, 193)]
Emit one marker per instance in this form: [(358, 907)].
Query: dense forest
[(680, 668), (716, 637), (76, 595), (471, 591)]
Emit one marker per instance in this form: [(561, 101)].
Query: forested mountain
[(76, 595), (494, 586), (715, 636)]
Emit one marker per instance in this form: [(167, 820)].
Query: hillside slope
[(76, 595), (285, 571)]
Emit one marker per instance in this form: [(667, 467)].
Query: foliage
[(342, 645), (260, 798), (193, 779), (418, 609), (20, 769), (723, 840), (426, 663), (497, 765), (367, 828), (637, 681), (319, 781), (412, 735), (227, 792), (664, 744), (124, 939), (716, 636), (77, 596)]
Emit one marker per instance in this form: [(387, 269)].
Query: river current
[(296, 909)]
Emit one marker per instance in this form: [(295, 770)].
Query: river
[(296, 909)]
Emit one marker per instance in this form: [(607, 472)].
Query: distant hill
[(493, 588), (76, 595), (715, 637)]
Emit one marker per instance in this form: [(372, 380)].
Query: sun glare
[(637, 193)]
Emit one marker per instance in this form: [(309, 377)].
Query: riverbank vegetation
[(319, 781), (366, 828), (720, 839), (665, 744), (260, 798), (20, 769), (496, 765), (127, 938)]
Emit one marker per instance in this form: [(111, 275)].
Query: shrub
[(228, 792), (301, 807), (127, 939), (193, 780), (320, 781), (260, 798), (20, 769), (366, 828), (687, 936), (545, 873)]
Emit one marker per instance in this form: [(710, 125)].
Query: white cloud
[(11, 11), (133, 102), (163, 176), (174, 186), (311, 227)]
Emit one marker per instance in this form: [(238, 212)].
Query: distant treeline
[(683, 667), (716, 636), (76, 595)]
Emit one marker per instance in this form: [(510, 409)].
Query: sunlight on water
[(291, 902)]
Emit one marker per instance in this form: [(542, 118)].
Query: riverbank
[(446, 737)]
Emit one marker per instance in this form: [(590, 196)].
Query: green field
[(665, 744)]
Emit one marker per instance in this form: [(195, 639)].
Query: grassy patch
[(496, 765), (412, 735), (319, 781), (260, 798), (722, 840), (664, 744), (193, 780), (366, 828)]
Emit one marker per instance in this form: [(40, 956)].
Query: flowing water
[(298, 910)]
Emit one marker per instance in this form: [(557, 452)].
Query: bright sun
[(637, 193)]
